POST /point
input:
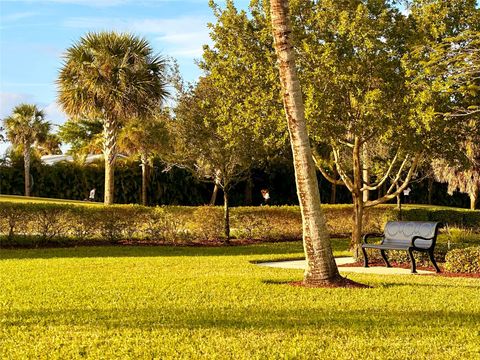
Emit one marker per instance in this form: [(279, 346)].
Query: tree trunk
[(213, 199), (365, 174), (144, 160), (249, 191), (358, 197), (357, 223), (333, 195), (110, 154), (26, 162), (430, 190), (474, 198), (399, 200), (321, 267), (226, 212)]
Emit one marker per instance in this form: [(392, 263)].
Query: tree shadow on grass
[(282, 248), (361, 320)]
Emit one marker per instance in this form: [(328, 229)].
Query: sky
[(35, 33)]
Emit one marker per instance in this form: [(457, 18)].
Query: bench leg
[(384, 256), (412, 259), (432, 259), (365, 258)]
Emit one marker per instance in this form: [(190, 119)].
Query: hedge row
[(463, 260), (40, 224)]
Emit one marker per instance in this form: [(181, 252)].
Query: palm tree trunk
[(321, 267), (144, 160), (110, 154), (26, 162), (226, 212)]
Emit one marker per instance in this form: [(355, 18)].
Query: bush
[(42, 223), (402, 257), (207, 223), (463, 260)]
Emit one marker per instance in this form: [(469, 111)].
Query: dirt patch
[(340, 283), (407, 266)]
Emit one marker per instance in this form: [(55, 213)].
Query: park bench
[(405, 235)]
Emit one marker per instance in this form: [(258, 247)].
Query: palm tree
[(321, 267), (24, 128), (49, 146), (112, 77), (144, 138)]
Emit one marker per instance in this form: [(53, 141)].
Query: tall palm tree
[(321, 267), (144, 138), (113, 77), (25, 127)]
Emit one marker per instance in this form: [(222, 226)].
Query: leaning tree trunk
[(321, 267), (110, 153), (26, 162), (226, 214), (145, 168)]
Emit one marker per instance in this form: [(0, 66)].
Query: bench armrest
[(419, 238), (366, 236)]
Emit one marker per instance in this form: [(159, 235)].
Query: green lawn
[(179, 302), (17, 198)]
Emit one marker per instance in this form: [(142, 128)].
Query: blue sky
[(35, 33)]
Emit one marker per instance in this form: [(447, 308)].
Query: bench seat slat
[(403, 246)]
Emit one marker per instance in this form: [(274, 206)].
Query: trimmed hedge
[(463, 260), (50, 223)]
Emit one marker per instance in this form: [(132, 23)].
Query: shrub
[(207, 223), (49, 222), (35, 223), (463, 260)]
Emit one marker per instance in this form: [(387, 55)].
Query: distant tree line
[(70, 180)]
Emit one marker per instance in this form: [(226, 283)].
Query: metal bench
[(405, 235)]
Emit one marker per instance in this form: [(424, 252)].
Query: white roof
[(53, 159)]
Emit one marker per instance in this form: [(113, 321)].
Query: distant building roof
[(53, 159)]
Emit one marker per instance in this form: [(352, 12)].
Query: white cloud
[(181, 37), (17, 16), (105, 3), (9, 100), (54, 114)]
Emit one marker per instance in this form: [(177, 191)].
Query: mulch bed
[(407, 266), (340, 283)]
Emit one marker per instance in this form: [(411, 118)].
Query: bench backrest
[(404, 231)]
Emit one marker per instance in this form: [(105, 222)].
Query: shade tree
[(143, 139)]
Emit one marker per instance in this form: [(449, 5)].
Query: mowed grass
[(42, 200), (214, 303)]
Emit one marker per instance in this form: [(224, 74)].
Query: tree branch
[(346, 180), (319, 166), (390, 196), (380, 183)]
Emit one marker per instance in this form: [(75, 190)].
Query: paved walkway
[(382, 270)]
